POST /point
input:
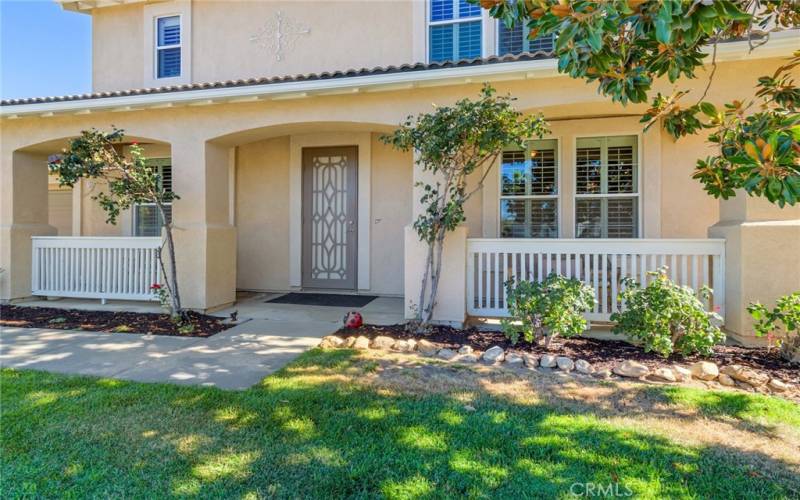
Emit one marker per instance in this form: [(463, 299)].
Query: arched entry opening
[(319, 206), (35, 208)]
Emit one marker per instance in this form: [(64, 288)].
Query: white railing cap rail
[(95, 242), (703, 246)]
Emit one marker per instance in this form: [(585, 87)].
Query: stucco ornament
[(279, 34)]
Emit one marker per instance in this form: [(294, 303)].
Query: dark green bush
[(543, 310), (666, 317)]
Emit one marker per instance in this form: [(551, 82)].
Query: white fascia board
[(781, 44), (285, 90)]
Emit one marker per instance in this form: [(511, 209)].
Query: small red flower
[(155, 286), (134, 143)]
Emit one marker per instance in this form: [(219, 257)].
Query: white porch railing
[(599, 263), (95, 267)]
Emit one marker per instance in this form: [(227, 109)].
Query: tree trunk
[(425, 276), (176, 294), (436, 268), (172, 282)]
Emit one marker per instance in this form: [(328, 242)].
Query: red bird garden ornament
[(353, 319)]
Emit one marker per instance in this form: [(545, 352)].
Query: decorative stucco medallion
[(279, 35)]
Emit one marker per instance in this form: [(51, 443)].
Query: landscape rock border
[(731, 376)]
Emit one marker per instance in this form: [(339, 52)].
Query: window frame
[(157, 48), (525, 41), (480, 18), (161, 162), (558, 196), (639, 173)]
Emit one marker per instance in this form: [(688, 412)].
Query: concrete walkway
[(269, 337)]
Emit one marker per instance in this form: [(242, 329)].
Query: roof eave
[(539, 68)]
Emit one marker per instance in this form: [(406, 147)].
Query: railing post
[(451, 300)]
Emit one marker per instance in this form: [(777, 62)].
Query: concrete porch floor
[(267, 337)]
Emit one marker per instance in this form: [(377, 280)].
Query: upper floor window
[(147, 220), (515, 40), (529, 191), (454, 30), (607, 193), (168, 47)]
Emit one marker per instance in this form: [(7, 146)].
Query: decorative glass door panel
[(330, 224)]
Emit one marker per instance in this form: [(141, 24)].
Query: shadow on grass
[(303, 433)]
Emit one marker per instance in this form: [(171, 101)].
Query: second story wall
[(117, 48), (224, 40)]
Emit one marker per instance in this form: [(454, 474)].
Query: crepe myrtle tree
[(131, 181), (625, 45), (451, 143)]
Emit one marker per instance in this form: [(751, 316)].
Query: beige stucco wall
[(686, 210), (341, 35), (391, 211), (262, 215), (117, 48)]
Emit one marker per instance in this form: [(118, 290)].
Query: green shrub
[(543, 310), (666, 317), (784, 316)]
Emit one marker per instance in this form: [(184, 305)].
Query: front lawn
[(339, 424)]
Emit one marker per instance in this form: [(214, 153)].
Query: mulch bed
[(108, 321), (601, 353)]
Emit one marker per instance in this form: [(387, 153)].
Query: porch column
[(762, 257), (451, 296), (204, 238), (23, 213)]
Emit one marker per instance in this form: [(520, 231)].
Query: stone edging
[(734, 376)]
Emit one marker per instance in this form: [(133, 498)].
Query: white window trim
[(483, 17), (558, 196), (157, 48), (639, 177), (153, 12)]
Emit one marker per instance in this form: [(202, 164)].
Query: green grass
[(755, 408), (300, 434)]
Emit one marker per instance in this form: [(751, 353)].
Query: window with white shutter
[(516, 41), (146, 219), (168, 47), (454, 30), (606, 187), (529, 191)]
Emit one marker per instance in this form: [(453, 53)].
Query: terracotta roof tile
[(325, 75)]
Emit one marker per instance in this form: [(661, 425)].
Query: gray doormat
[(323, 299)]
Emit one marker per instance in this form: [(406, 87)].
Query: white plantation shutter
[(606, 187), (515, 40), (529, 191), (168, 47), (454, 31), (146, 218)]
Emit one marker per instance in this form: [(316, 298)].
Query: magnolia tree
[(451, 143), (131, 181), (625, 45)]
